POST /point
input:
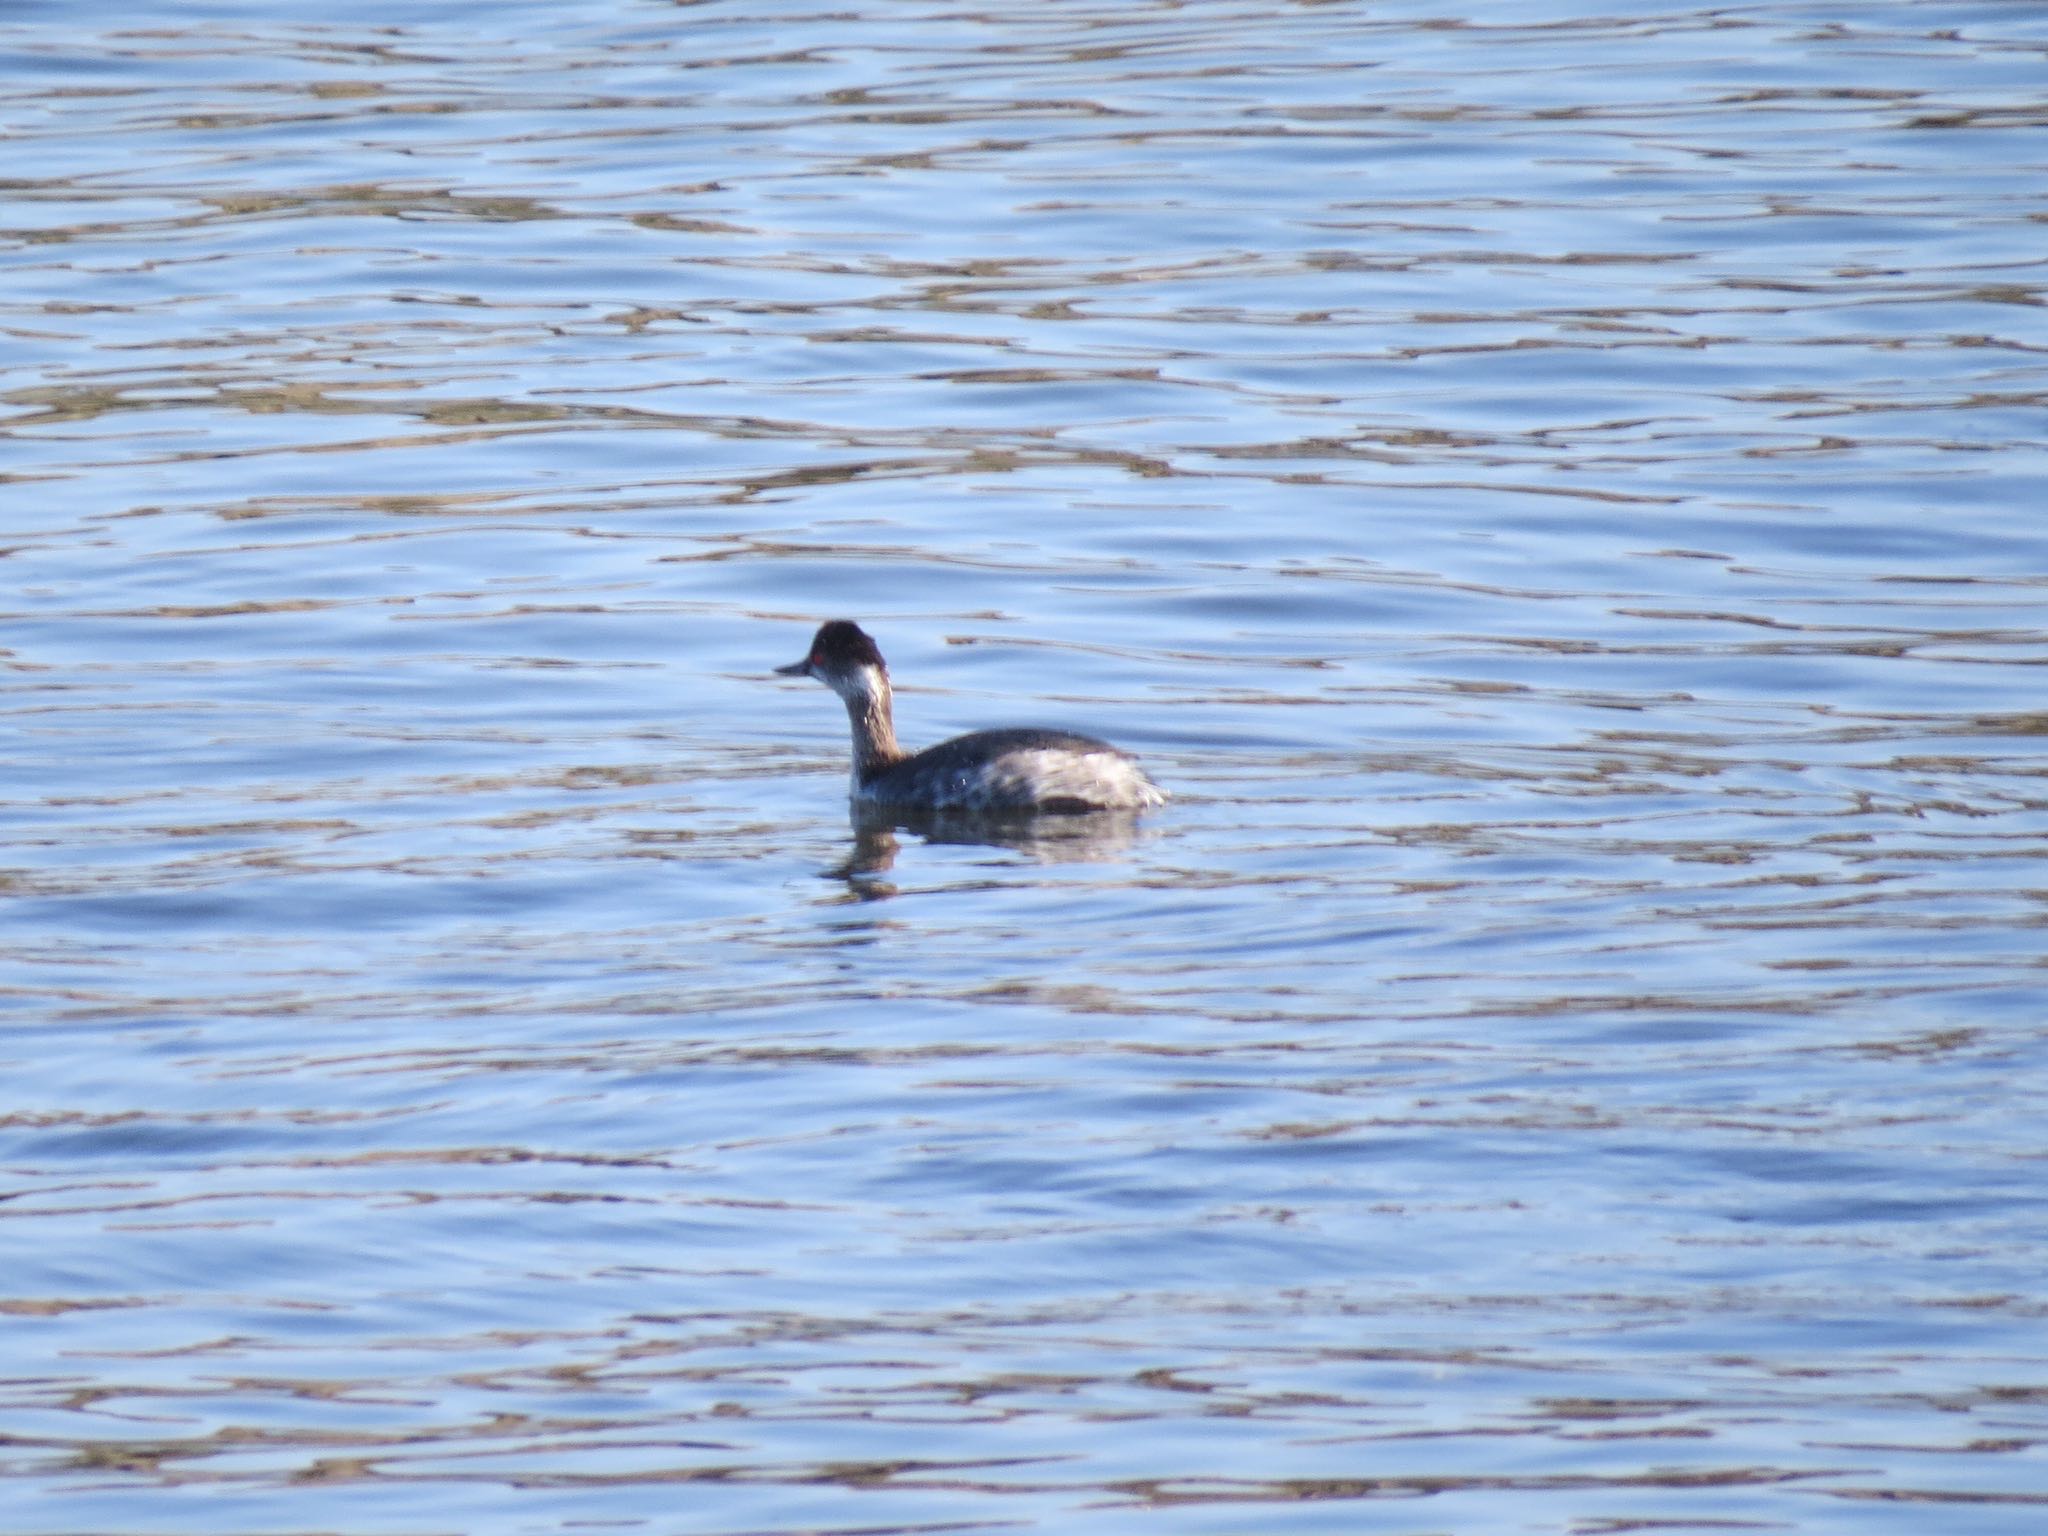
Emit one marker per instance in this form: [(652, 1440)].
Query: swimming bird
[(1012, 770)]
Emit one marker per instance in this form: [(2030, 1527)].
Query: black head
[(839, 648)]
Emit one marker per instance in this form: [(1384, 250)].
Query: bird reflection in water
[(1083, 839)]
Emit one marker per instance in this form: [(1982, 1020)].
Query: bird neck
[(870, 711)]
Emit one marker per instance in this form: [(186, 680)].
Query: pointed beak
[(796, 669)]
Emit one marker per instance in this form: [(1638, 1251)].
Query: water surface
[(1555, 498)]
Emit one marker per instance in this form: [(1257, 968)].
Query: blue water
[(1554, 498)]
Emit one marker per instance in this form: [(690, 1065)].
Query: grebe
[(1021, 769)]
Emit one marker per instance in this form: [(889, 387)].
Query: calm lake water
[(1557, 498)]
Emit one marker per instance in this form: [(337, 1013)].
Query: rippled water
[(1557, 498)]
